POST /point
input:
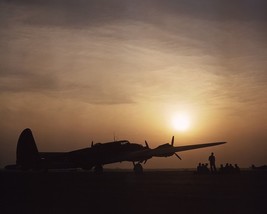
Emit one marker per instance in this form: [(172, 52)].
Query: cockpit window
[(124, 142)]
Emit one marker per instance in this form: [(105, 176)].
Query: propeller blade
[(147, 146), (92, 144), (172, 140), (178, 156)]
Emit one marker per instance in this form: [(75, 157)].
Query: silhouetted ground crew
[(229, 169), (212, 163), (202, 168)]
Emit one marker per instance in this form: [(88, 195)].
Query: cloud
[(112, 52), (27, 82), (69, 14), (66, 13)]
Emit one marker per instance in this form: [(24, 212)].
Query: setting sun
[(181, 121)]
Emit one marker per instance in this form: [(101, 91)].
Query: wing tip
[(221, 142)]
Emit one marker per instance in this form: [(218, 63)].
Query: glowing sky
[(77, 71)]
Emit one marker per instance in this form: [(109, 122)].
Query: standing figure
[(212, 163)]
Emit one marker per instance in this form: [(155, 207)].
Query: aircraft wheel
[(98, 169), (138, 169)]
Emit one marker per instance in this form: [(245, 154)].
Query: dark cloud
[(76, 14), (27, 82), (21, 82), (214, 10), (70, 14)]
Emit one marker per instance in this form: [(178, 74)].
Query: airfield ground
[(124, 192)]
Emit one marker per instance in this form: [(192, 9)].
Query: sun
[(181, 121)]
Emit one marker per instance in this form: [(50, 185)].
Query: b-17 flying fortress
[(99, 154)]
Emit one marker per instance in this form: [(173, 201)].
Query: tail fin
[(27, 152)]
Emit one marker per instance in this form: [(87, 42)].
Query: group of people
[(205, 168), (229, 169)]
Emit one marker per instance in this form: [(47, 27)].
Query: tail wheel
[(138, 169)]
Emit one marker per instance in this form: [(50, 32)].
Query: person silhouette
[(199, 168), (212, 163)]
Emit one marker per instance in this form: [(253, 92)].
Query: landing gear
[(138, 169), (98, 169)]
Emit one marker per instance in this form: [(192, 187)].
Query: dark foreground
[(124, 192)]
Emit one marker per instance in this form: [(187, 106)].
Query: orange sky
[(77, 71)]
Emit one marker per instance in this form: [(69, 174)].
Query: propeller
[(172, 140), (172, 143), (178, 156), (92, 144), (147, 146)]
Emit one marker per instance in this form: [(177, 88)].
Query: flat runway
[(125, 192)]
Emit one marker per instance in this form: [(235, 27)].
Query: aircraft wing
[(169, 150), (162, 151)]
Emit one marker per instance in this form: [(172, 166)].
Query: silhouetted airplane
[(95, 156)]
